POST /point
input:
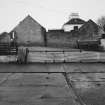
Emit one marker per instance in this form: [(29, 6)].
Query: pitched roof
[(89, 24), (30, 19), (75, 21), (89, 30)]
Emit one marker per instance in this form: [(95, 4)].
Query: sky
[(51, 14)]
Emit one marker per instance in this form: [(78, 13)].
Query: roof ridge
[(87, 23), (30, 17), (75, 21), (25, 19)]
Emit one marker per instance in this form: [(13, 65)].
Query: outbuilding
[(29, 32), (74, 23)]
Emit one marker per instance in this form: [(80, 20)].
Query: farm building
[(51, 76), (89, 31), (74, 23), (72, 31), (29, 32)]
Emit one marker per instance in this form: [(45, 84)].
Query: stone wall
[(61, 39)]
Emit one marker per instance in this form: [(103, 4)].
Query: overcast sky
[(49, 13)]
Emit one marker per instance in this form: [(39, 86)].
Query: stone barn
[(29, 32), (89, 31), (72, 31)]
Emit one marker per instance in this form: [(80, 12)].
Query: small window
[(76, 28)]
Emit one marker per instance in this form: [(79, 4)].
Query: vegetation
[(101, 22)]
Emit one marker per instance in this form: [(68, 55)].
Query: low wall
[(64, 56)]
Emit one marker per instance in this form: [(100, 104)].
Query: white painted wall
[(68, 28), (102, 43)]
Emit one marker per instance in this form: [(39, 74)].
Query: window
[(75, 28)]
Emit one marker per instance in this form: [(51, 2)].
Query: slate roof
[(75, 21)]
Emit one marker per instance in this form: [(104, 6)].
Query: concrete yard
[(90, 87), (35, 89), (52, 84)]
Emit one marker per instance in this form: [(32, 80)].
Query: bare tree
[(101, 22)]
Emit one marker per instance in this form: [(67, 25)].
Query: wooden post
[(22, 56), (26, 55)]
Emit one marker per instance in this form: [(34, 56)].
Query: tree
[(101, 22)]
